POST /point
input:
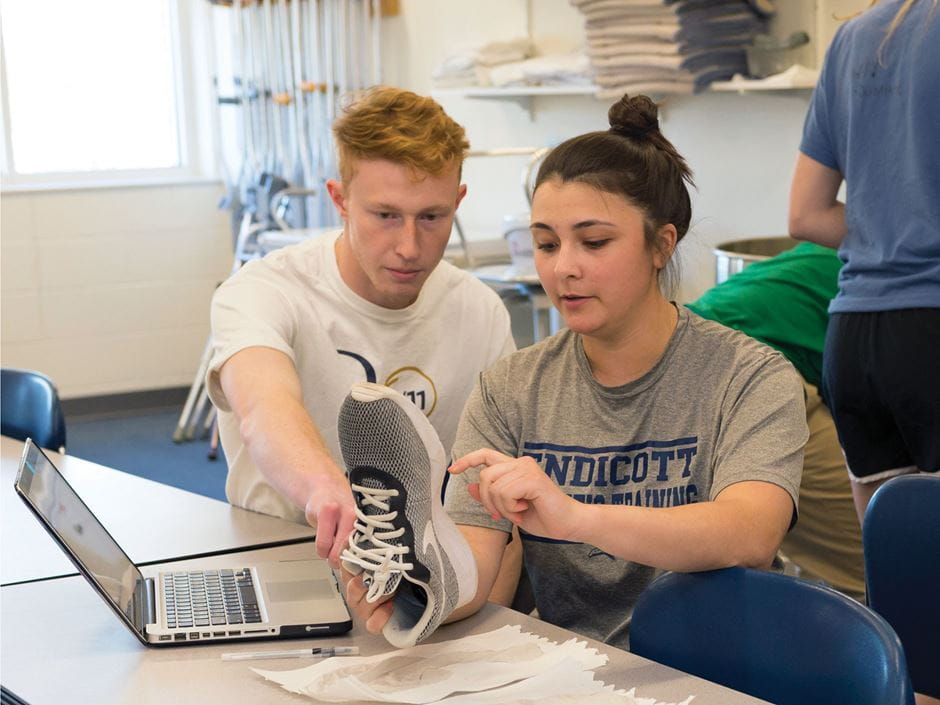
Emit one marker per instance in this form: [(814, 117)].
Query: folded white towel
[(638, 60), (600, 11), (605, 16), (506, 75), (606, 76), (550, 70), (464, 60), (633, 47), (678, 87), (629, 30), (616, 75), (461, 79), (584, 4), (495, 53)]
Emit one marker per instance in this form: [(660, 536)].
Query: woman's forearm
[(744, 526)]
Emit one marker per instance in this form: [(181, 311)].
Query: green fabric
[(781, 301)]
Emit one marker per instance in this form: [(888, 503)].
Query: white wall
[(107, 290), (741, 147)]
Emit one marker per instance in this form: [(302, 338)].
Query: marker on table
[(318, 652)]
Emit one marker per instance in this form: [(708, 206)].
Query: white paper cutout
[(503, 667)]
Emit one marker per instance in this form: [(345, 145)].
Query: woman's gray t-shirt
[(716, 409)]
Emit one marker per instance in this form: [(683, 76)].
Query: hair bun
[(633, 117)]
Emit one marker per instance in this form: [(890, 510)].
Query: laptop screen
[(78, 530)]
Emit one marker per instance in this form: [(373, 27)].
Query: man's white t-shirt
[(295, 301)]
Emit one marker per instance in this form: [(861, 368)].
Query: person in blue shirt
[(873, 123)]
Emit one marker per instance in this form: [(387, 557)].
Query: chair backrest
[(31, 408), (772, 636), (901, 541)]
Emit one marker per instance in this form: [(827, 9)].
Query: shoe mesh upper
[(378, 434)]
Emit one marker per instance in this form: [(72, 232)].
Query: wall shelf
[(520, 94), (512, 91), (793, 79), (817, 17)]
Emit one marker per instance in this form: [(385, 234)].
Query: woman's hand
[(373, 615), (519, 490)]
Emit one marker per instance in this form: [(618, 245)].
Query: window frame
[(193, 52)]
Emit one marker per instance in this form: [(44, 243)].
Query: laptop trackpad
[(298, 590)]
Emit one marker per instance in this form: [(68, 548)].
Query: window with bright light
[(90, 86)]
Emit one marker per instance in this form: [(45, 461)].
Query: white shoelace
[(369, 546)]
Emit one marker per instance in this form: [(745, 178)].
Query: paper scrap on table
[(503, 666)]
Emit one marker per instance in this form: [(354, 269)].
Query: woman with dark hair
[(641, 438)]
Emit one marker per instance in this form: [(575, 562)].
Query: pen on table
[(318, 652)]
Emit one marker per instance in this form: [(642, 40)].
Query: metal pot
[(733, 256)]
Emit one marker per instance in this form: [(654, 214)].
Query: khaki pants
[(826, 542)]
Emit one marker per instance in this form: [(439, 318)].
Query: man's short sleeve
[(480, 427), (246, 312), (508, 343)]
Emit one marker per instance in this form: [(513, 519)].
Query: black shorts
[(881, 381)]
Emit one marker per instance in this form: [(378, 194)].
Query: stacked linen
[(669, 46), (715, 35), (552, 70), (470, 66)]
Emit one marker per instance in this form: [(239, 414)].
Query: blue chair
[(31, 408), (901, 542), (772, 636)]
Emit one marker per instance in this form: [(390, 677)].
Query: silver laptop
[(269, 600)]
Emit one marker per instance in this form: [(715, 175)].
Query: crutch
[(186, 416), (199, 410), (376, 16), (245, 249), (301, 86), (292, 70), (306, 87), (214, 439), (314, 91), (269, 71), (284, 97), (353, 45), (233, 101), (262, 133), (328, 98), (251, 101), (324, 102)]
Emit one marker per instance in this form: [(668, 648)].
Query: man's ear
[(461, 192), (338, 196)]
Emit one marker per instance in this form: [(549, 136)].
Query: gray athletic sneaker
[(403, 541)]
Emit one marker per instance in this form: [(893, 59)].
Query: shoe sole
[(448, 535)]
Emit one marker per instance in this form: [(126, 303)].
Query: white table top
[(50, 658), (151, 521)]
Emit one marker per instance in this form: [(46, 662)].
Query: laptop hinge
[(145, 611)]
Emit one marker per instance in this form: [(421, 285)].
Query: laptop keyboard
[(210, 598)]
